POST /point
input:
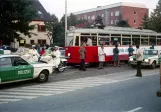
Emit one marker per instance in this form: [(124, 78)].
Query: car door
[(6, 70), (23, 70)]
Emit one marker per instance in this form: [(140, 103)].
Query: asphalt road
[(109, 92)]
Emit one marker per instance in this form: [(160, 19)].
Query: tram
[(109, 36)]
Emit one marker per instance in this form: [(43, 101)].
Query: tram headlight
[(131, 59), (68, 54)]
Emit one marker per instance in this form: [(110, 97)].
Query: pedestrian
[(101, 55), (130, 50), (42, 51), (89, 41), (139, 59), (116, 56), (82, 52)]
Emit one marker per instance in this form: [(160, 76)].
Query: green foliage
[(15, 16), (145, 23), (155, 19), (123, 23), (99, 22)]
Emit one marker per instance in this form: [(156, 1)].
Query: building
[(111, 14), (40, 30)]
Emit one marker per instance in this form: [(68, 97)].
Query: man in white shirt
[(34, 53), (89, 42), (139, 59), (56, 53), (101, 55)]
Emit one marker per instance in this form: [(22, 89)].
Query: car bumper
[(143, 63)]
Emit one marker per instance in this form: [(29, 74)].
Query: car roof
[(4, 56)]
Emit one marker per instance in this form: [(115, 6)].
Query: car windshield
[(150, 52)]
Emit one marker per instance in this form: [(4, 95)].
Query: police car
[(13, 69), (152, 58)]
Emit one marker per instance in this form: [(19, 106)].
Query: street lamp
[(65, 21)]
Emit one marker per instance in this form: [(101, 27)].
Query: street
[(109, 90)]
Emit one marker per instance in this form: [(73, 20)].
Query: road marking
[(34, 94), (3, 102), (8, 100), (136, 109), (15, 96)]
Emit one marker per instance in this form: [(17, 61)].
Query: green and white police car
[(13, 69), (152, 58)]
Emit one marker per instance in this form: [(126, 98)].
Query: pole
[(65, 21)]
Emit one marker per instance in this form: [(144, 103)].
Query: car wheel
[(43, 77), (133, 66), (153, 65)]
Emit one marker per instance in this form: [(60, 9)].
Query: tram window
[(115, 40), (152, 40), (126, 41), (84, 38), (144, 41), (158, 41), (104, 40), (94, 41), (71, 43), (77, 41), (135, 41)]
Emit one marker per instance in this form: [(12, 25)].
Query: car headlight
[(146, 60), (131, 59)]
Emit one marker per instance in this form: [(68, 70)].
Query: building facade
[(111, 14), (39, 33)]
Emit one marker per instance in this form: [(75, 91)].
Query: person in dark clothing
[(116, 56), (130, 50), (82, 52)]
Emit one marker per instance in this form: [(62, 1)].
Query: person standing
[(130, 50), (89, 41), (101, 55), (42, 51), (34, 53), (139, 59), (82, 52), (116, 56), (56, 53)]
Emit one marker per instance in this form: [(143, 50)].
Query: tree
[(99, 22), (155, 19), (123, 23), (50, 27), (15, 16), (145, 23)]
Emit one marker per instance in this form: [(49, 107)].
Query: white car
[(152, 58), (13, 69)]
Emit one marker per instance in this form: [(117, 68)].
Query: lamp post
[(65, 21)]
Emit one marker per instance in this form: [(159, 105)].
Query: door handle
[(16, 67)]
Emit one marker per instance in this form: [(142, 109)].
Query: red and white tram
[(109, 36)]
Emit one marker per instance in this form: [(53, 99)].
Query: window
[(42, 42), (32, 42), (77, 41), (5, 62), (85, 16), (111, 21), (134, 12), (144, 41), (134, 21), (41, 28), (111, 13), (126, 41), (89, 17), (117, 13), (103, 15), (93, 17), (104, 40), (19, 61), (116, 21)]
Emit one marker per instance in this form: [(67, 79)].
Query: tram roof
[(118, 30)]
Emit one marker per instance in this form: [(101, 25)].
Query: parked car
[(152, 58), (13, 69)]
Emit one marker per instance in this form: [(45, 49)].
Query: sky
[(57, 7)]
